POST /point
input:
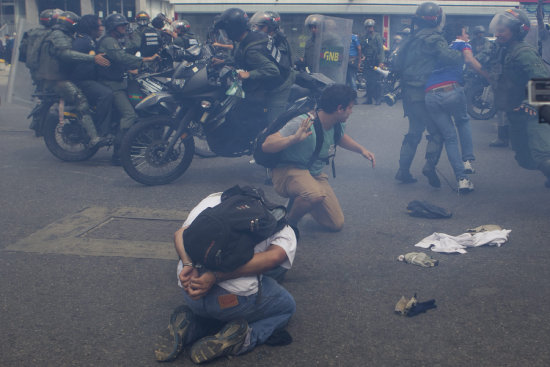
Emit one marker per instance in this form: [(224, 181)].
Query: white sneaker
[(468, 169), (465, 185)]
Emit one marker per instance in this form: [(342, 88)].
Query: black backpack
[(270, 160), (222, 238)]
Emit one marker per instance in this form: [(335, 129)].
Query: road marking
[(98, 231)]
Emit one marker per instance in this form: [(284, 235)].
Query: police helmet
[(369, 23), (478, 29), (265, 18), (158, 22), (514, 19), (181, 26), (67, 21), (113, 21), (234, 22), (429, 15), (313, 20), (48, 17), (142, 18)]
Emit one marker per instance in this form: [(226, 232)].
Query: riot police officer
[(32, 39), (372, 48), (55, 53), (269, 22), (414, 63), (313, 24), (185, 38), (519, 62), (159, 22), (29, 52), (264, 78), (144, 39), (84, 75), (479, 42), (114, 75)]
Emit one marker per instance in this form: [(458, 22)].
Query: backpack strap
[(319, 140)]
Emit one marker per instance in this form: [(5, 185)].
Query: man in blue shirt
[(445, 101)]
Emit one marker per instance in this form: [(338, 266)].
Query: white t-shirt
[(246, 286)]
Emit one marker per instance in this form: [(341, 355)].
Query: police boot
[(405, 176), (88, 125), (502, 139)]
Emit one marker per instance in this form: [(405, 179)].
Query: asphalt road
[(95, 300)]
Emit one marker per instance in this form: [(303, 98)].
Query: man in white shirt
[(251, 306)]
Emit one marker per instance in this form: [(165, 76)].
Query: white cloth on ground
[(441, 242)]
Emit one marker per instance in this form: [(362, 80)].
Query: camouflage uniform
[(517, 63), (414, 63), (372, 48), (113, 77), (55, 54)]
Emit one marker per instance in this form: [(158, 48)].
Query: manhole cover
[(96, 231)]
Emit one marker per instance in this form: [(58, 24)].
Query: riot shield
[(332, 43), (20, 87)]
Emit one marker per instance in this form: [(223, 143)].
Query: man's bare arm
[(348, 143)]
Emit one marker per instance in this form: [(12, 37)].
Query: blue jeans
[(443, 106), (272, 312)]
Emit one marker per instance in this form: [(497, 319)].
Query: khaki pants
[(293, 182)]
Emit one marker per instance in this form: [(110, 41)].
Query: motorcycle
[(59, 124), (479, 97), (201, 101)]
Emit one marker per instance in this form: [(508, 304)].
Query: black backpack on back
[(222, 238), (270, 160)]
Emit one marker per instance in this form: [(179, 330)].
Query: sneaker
[(170, 343), (433, 179), (405, 177), (228, 341), (468, 168), (465, 185)]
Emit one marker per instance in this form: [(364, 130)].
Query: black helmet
[(142, 18), (313, 20), (369, 23), (67, 21), (113, 21), (429, 15), (234, 22), (158, 22), (48, 17), (265, 18), (514, 19), (181, 26), (478, 29)]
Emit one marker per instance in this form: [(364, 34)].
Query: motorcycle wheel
[(202, 149), (478, 108), (67, 141), (143, 149)]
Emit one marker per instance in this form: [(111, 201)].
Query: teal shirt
[(300, 154)]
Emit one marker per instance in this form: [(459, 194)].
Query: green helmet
[(113, 21), (48, 17), (514, 19), (67, 21), (313, 20), (429, 15), (369, 23), (142, 18)]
